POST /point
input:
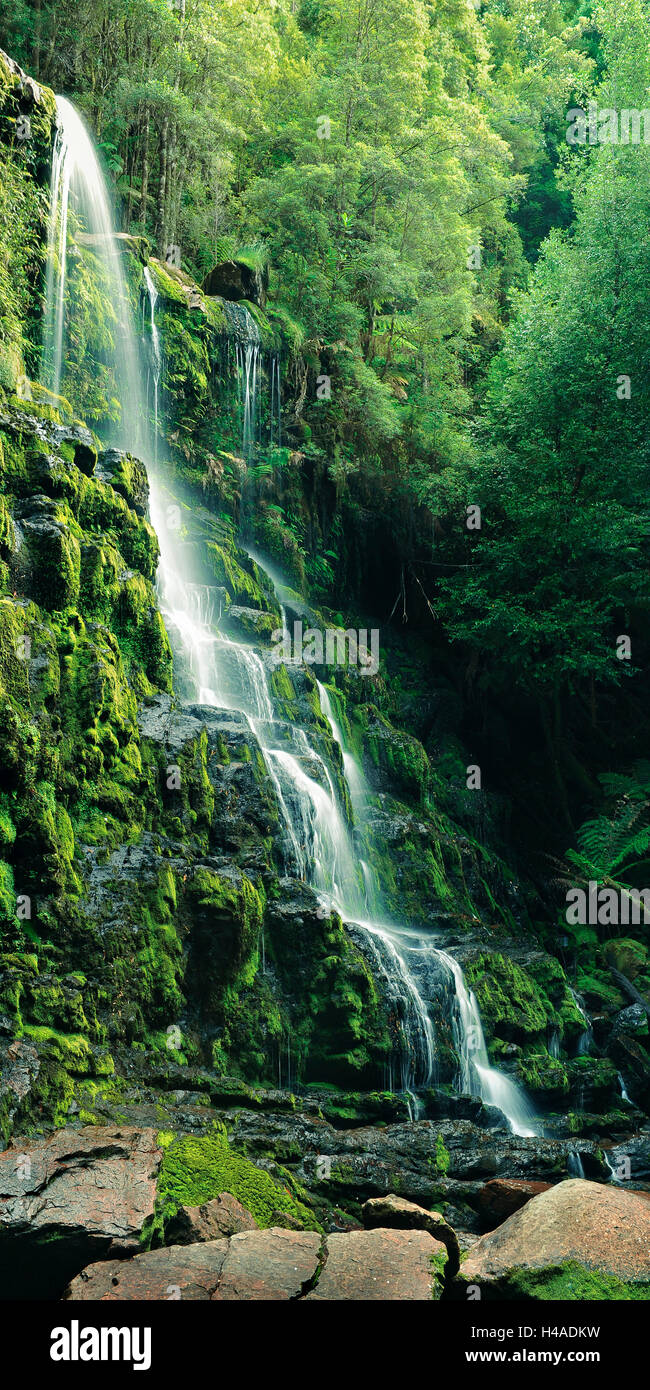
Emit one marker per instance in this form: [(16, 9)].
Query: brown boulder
[(275, 1265), (69, 1199), (380, 1265), (188, 1272), (601, 1228), (264, 1266), (500, 1197), (222, 1216), (395, 1212), (254, 1266)]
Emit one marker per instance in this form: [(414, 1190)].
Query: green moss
[(282, 688), (73, 1050), (14, 668), (512, 1005), (394, 758), (443, 1158), (541, 1073), (570, 1281), (195, 1170), (246, 587)]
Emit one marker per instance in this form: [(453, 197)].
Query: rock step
[(275, 1265)]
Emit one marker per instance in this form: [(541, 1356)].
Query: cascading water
[(476, 1075), (220, 672), (354, 776), (156, 355), (77, 179), (586, 1038), (56, 263)]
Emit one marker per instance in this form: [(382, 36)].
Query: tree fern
[(617, 840)]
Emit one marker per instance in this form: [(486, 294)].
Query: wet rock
[(447, 1161), (250, 623), (64, 1199), (629, 1021), (392, 1211), (500, 1197), (393, 760), (627, 1047), (234, 280), (349, 1109), (46, 469), (19, 1069), (223, 1216), (125, 242), (48, 560), (127, 475), (594, 1084), (631, 1158), (380, 1265), (30, 93), (445, 1105), (600, 1230), (82, 443)]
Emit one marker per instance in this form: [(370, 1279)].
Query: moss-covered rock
[(392, 758), (512, 1005), (195, 1170)]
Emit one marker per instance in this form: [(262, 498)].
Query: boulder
[(628, 1050), (275, 1266), (264, 1266), (500, 1197), (234, 280), (577, 1240), (69, 1199), (379, 1266), (127, 475), (177, 1272), (253, 1266), (223, 1216), (396, 1212), (250, 623)]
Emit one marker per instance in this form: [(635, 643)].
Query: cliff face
[(154, 943)]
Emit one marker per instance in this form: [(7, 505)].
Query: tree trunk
[(144, 185), (161, 227)]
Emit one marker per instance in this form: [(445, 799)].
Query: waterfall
[(156, 355), (476, 1075), (586, 1038), (575, 1166), (248, 363), (622, 1089), (353, 774), (220, 672), (55, 275), (77, 178)]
